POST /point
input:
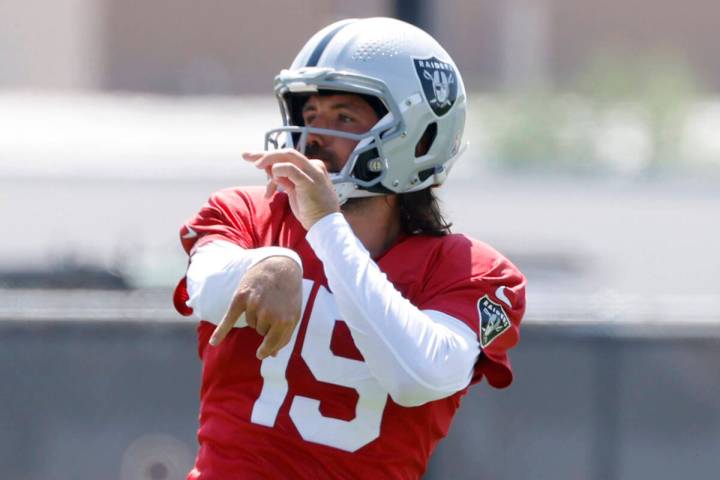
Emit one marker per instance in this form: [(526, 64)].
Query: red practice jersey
[(315, 411)]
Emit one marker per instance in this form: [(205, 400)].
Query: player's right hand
[(306, 181), (270, 295)]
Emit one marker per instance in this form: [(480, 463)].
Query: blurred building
[(231, 46)]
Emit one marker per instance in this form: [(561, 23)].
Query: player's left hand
[(306, 182), (270, 296)]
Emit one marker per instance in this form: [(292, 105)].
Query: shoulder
[(462, 248), (241, 215), (248, 204), (486, 261), (459, 256), (427, 269), (248, 198), (465, 264)]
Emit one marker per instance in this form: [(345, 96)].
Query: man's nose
[(315, 138)]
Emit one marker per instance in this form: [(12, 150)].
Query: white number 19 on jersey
[(326, 367)]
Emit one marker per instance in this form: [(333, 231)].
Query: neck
[(375, 221)]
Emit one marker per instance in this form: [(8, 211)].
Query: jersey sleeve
[(480, 287), (227, 215)]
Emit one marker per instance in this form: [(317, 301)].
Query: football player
[(340, 322)]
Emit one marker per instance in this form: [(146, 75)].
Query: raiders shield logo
[(493, 320), (439, 83)]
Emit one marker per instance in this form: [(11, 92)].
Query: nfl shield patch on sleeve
[(493, 320)]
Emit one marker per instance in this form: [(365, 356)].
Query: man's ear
[(391, 200)]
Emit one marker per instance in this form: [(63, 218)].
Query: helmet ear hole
[(428, 137), (363, 170)]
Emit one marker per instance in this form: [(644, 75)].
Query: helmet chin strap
[(348, 190)]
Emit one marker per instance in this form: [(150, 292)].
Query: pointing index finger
[(237, 307), (283, 156), (252, 156)]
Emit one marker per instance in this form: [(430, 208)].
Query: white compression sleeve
[(418, 356), (214, 274)]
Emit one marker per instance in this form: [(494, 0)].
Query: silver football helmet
[(413, 77)]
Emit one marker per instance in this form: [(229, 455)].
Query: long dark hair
[(420, 214)]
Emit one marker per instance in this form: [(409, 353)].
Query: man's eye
[(345, 119), (309, 119)]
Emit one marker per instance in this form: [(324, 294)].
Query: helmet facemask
[(367, 165), (367, 155)]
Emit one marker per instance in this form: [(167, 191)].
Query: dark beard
[(355, 204), (332, 162)]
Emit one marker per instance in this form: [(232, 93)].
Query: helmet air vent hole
[(425, 143), (425, 174)]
